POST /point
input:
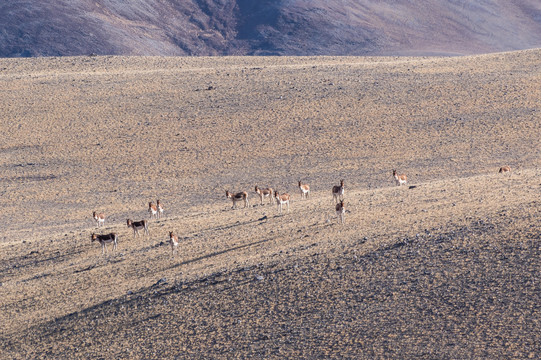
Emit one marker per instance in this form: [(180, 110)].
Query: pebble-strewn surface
[(465, 293), (445, 267)]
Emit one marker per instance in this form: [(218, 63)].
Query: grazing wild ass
[(401, 179), (338, 192), (264, 193), (160, 208), (105, 239), (340, 212), (99, 218), (281, 201), (138, 225), (173, 241), (153, 210), (305, 190), (241, 196)]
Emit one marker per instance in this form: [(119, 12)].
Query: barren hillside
[(271, 27), (445, 267)]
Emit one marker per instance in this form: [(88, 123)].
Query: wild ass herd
[(281, 199)]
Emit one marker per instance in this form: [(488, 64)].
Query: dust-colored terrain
[(445, 267)]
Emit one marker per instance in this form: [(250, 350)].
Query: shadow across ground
[(461, 292)]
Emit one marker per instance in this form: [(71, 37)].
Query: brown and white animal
[(305, 190), (401, 179), (338, 192), (99, 218), (105, 239), (153, 210), (504, 169), (282, 200), (241, 196), (264, 193), (340, 212), (138, 225), (173, 241), (160, 208)]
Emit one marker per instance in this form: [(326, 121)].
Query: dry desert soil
[(446, 267)]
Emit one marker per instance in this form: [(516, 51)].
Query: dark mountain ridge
[(267, 27)]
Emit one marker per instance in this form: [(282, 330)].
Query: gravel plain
[(446, 267)]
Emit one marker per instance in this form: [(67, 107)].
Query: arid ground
[(446, 267)]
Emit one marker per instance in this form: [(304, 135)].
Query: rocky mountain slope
[(270, 27)]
